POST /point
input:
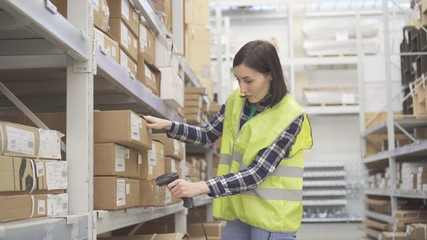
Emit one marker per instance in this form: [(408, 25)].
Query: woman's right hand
[(157, 123)]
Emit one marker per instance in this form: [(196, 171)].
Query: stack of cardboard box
[(193, 104), (197, 40), (120, 138), (33, 175)]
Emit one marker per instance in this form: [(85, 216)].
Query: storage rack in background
[(325, 192), (52, 64), (395, 153)]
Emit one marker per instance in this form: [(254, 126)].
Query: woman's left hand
[(181, 188)]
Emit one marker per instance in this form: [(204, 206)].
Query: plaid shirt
[(265, 162)]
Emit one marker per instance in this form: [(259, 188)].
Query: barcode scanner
[(169, 177)]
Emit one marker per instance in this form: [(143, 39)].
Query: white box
[(172, 87)]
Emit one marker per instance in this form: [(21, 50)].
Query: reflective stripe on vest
[(276, 194)]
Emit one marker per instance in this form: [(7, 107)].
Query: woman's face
[(253, 84)]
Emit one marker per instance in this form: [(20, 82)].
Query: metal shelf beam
[(75, 227), (331, 110), (111, 220), (50, 25)]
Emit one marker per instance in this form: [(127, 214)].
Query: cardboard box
[(171, 88), (122, 9), (7, 182), (25, 141), (123, 127), (149, 75), (192, 111), (168, 236), (153, 195), (196, 12), (417, 231), (23, 174), (393, 236), (115, 160), (196, 90), (101, 12), (108, 45), (213, 229), (197, 54), (173, 165), (101, 15), (153, 161), (22, 207), (115, 193), (173, 148), (126, 39), (147, 44), (129, 64)]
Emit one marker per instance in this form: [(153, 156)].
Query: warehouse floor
[(331, 231)]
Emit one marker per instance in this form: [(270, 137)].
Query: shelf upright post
[(178, 39), (389, 105), (291, 81), (218, 21), (178, 24), (80, 119), (361, 80)]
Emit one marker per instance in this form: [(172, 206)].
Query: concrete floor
[(331, 231)]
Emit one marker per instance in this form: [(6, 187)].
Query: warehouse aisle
[(331, 231)]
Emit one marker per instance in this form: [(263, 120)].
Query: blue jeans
[(237, 230)]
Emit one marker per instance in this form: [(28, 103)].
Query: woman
[(264, 131)]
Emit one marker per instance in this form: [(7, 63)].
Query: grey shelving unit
[(50, 63), (415, 151), (325, 193)]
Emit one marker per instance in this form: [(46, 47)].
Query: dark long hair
[(262, 56)]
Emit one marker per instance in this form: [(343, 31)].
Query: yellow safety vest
[(276, 204)]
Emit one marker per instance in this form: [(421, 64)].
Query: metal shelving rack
[(325, 191), (390, 126), (70, 73)]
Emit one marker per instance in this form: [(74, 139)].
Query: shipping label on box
[(20, 141), (136, 124), (57, 204), (147, 44), (50, 144), (120, 192), (153, 162), (56, 174)]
